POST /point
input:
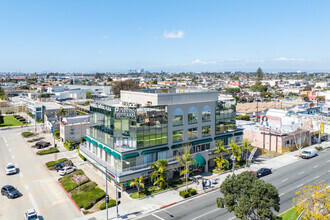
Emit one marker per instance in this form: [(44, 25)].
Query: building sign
[(121, 112), (322, 128), (264, 121), (97, 105)]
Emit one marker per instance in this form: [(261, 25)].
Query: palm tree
[(219, 149), (138, 182), (185, 160), (61, 112), (159, 175), (247, 147), (236, 152)]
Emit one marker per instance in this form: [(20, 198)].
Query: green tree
[(259, 74), (125, 85), (249, 197), (71, 81), (220, 149), (246, 147), (109, 79), (185, 160), (88, 94), (57, 133), (236, 152), (159, 176), (138, 182)]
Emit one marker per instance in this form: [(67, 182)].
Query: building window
[(72, 131), (177, 136), (147, 159), (101, 150), (131, 162), (107, 157), (192, 115), (206, 131), (161, 155), (177, 117), (192, 133), (206, 113)]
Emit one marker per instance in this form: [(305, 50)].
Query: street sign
[(252, 153), (52, 129), (34, 116)]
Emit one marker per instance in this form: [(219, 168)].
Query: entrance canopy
[(200, 161)]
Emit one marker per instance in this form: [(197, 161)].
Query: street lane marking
[(284, 180), (205, 214), (316, 177), (5, 139), (301, 172), (34, 204), (13, 157), (9, 149), (21, 175), (232, 218), (26, 187), (157, 216), (281, 194), (315, 166), (299, 185)]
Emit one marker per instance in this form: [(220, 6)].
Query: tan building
[(74, 128)]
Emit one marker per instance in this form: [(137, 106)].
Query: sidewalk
[(131, 208)]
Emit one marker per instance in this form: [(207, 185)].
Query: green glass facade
[(129, 128), (225, 117)]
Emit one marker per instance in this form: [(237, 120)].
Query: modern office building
[(129, 134)]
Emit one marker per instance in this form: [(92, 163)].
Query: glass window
[(206, 113), (117, 125), (161, 155), (192, 133), (177, 136), (192, 115), (147, 158), (107, 157), (130, 162), (177, 117), (206, 131)]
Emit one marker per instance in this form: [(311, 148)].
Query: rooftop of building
[(171, 91), (76, 119)]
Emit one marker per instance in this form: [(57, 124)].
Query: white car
[(31, 214), (10, 168), (66, 170)]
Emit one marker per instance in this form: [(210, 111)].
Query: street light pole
[(106, 189)]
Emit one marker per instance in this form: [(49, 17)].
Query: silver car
[(66, 170), (10, 168)]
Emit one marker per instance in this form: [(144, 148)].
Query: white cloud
[(173, 34), (106, 37), (289, 59), (203, 62)]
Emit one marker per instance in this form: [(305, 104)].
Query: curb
[(68, 196), (164, 206)]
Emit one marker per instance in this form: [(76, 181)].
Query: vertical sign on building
[(322, 128)]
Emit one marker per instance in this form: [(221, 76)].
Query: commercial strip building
[(129, 134)]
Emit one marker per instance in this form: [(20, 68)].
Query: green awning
[(155, 150), (177, 146), (224, 136), (202, 141), (94, 142), (126, 156), (239, 133), (200, 161), (107, 150), (100, 146), (115, 154), (87, 138)]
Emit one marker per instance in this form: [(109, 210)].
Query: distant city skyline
[(172, 36)]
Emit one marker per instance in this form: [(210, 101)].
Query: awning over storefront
[(94, 142), (107, 150), (155, 150), (201, 141), (87, 138), (223, 137), (115, 154), (126, 156), (239, 133), (200, 161), (100, 146)]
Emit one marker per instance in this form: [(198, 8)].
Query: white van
[(309, 153)]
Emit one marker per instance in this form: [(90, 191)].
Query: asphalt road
[(287, 180), (39, 188)]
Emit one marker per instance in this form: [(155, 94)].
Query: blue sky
[(178, 35)]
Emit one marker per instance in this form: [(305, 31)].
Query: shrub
[(81, 156), (111, 203), (48, 151), (319, 148), (192, 191), (27, 134), (69, 184), (184, 194), (35, 139), (86, 199), (51, 164)]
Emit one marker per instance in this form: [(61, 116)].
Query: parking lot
[(38, 185)]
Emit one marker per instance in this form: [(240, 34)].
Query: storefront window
[(130, 162), (192, 133)]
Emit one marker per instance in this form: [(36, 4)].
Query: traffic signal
[(107, 198)]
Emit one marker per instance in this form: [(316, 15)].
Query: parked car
[(31, 214), (66, 170), (42, 144), (10, 191), (63, 164), (306, 154), (263, 172), (10, 168)]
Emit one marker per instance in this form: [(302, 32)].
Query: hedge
[(86, 199), (111, 203), (51, 164), (48, 151), (27, 134), (36, 139), (186, 194)]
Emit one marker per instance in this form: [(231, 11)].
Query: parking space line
[(9, 149), (284, 180), (20, 174), (4, 138), (315, 166), (301, 172), (157, 216), (299, 185), (34, 204), (26, 187), (281, 194), (12, 157), (316, 177)]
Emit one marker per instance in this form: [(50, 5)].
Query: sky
[(171, 35)]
